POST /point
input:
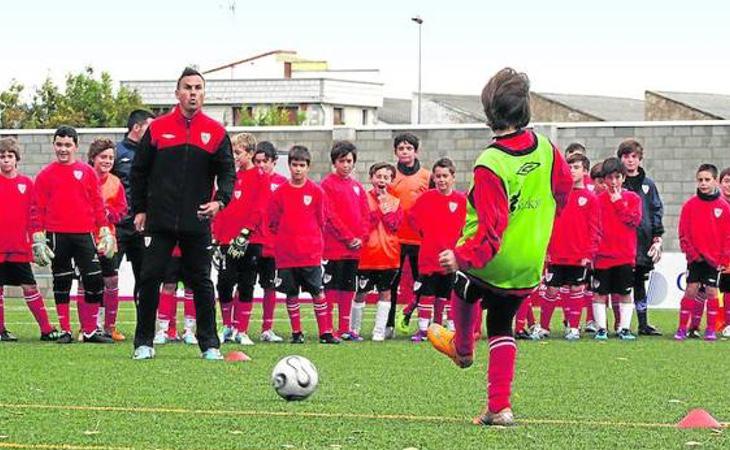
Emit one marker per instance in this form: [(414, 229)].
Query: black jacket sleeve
[(656, 211), (224, 170), (144, 159)]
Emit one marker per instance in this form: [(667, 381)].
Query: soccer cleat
[(328, 338), (601, 334), (270, 336), (50, 336), (726, 331), (189, 338), (522, 334), (160, 338), (450, 325), (402, 322), (227, 335), (573, 334), (297, 338), (420, 336), (680, 335), (65, 338), (143, 352), (591, 326), (710, 335), (649, 330), (389, 333), (504, 418), (694, 333), (212, 354), (625, 335), (242, 339), (443, 340), (353, 336), (538, 333), (378, 336), (97, 337), (6, 336)]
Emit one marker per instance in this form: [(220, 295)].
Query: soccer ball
[(294, 378)]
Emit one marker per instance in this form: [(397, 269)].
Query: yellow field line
[(60, 446), (309, 414)]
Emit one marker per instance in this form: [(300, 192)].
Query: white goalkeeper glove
[(218, 258), (655, 251), (239, 244), (42, 253), (107, 245)]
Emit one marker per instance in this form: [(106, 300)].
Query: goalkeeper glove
[(655, 252), (42, 253), (107, 245), (219, 259), (239, 245)]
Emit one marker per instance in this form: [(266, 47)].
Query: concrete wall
[(673, 150), (544, 110)]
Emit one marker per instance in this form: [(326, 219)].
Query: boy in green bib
[(520, 181)]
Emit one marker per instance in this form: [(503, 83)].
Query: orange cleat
[(504, 418), (443, 341), (117, 336)]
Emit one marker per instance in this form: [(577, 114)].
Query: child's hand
[(447, 260)]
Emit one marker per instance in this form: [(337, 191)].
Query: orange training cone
[(237, 356), (698, 418)]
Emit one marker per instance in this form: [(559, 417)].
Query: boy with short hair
[(650, 231), (438, 216), (411, 180), (233, 228), (380, 257), (16, 193), (346, 229), (265, 157), (68, 212), (297, 220), (573, 247), (616, 256), (704, 237), (725, 277)]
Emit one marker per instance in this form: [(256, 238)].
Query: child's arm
[(117, 208), (274, 211), (594, 228), (332, 221), (656, 210), (628, 209), (393, 219), (685, 241)]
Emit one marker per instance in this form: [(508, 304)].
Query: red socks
[(501, 371), (686, 306), (111, 307), (2, 308), (292, 309), (713, 305), (344, 308), (243, 314), (269, 304), (575, 301), (547, 306), (588, 305), (465, 322), (521, 316), (323, 315), (34, 300), (425, 311), (64, 316)]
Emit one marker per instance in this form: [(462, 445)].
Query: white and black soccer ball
[(294, 378)]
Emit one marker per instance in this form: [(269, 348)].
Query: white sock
[(423, 324), (599, 314), (627, 310), (163, 325), (381, 317), (356, 316), (450, 325), (100, 318), (189, 324)]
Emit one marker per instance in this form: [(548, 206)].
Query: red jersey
[(619, 221), (704, 229), (246, 209), (265, 237), (115, 201), (347, 216), (381, 250), (438, 219), (577, 230), (67, 199), (16, 196), (296, 218)]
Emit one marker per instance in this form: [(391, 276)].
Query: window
[(339, 117), (364, 116)]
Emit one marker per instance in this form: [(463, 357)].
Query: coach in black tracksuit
[(178, 160)]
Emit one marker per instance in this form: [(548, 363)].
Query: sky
[(616, 48)]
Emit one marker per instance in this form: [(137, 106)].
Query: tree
[(271, 116), (85, 102)]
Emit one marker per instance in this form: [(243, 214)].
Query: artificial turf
[(391, 395)]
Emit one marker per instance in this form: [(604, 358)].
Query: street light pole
[(419, 21)]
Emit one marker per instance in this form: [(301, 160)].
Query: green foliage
[(274, 115), (84, 102)]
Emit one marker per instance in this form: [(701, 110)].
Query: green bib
[(527, 180)]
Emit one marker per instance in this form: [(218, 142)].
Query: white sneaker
[(573, 334), (378, 336), (591, 327), (726, 331), (143, 352), (270, 336), (450, 325), (389, 332), (242, 339), (189, 338), (160, 338), (212, 354), (538, 333)]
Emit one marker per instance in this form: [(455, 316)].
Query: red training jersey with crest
[(577, 230), (265, 237), (16, 195), (247, 207), (704, 230), (438, 219), (346, 216), (619, 221)]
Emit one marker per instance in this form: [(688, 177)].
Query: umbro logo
[(527, 168)]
